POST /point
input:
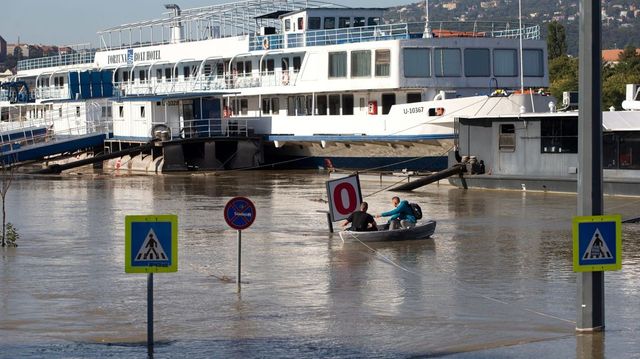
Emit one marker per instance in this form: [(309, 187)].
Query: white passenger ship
[(260, 82)]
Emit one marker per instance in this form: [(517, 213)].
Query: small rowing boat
[(420, 231)]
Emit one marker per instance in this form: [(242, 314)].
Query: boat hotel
[(296, 83)]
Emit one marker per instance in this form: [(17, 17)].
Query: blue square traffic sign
[(151, 244), (597, 243)]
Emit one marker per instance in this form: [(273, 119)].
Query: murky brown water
[(494, 282)]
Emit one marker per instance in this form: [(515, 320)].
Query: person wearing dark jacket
[(401, 216), (360, 220)]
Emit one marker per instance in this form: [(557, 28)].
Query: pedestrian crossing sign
[(151, 244), (597, 243)]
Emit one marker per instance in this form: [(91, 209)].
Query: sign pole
[(238, 281), (150, 315), (590, 285)]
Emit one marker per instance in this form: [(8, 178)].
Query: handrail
[(76, 58)]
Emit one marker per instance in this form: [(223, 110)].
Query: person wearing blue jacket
[(401, 216)]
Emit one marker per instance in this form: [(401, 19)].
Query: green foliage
[(12, 235), (616, 77), (556, 40), (563, 75)]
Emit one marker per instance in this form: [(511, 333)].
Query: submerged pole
[(590, 285)]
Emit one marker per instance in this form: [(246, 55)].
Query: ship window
[(206, 70), (533, 63), (143, 75), (60, 112), (337, 64), (300, 23), (505, 63), (559, 135), (321, 105), (347, 104), (248, 67), (275, 105), (167, 74), (266, 106), (104, 112), (244, 106), (143, 112), (186, 71), (448, 62), (383, 63), (329, 23), (77, 111), (109, 112), (125, 76), (388, 100), (159, 74), (417, 62), (358, 21), (220, 69), (476, 63), (507, 138), (373, 21), (287, 24), (413, 97), (284, 65), (297, 62), (334, 105), (240, 68), (610, 158), (344, 22), (361, 63), (314, 23), (271, 65), (121, 111)]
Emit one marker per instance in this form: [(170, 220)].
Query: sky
[(68, 22)]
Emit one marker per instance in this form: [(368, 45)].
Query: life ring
[(265, 43), (285, 78)]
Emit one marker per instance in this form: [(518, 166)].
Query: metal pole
[(238, 281), (590, 285), (150, 315), (329, 222), (521, 50)]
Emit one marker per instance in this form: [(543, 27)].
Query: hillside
[(620, 19)]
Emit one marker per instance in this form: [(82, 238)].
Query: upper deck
[(276, 25)]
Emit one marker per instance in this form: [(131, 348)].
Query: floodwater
[(495, 281)]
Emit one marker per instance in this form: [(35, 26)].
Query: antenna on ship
[(521, 52), (427, 28)]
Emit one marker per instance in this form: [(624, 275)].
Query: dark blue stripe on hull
[(435, 163)]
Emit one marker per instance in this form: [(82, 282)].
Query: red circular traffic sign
[(239, 213)]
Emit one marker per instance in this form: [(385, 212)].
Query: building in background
[(3, 49)]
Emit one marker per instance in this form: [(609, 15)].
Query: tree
[(7, 173), (556, 40), (563, 75)]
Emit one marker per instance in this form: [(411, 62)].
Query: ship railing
[(76, 58), (52, 93), (206, 83), (22, 131), (393, 32), (218, 127)]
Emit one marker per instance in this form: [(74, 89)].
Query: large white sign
[(344, 197)]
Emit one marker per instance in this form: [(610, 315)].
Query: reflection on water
[(494, 281)]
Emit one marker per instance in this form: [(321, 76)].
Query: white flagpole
[(427, 28)]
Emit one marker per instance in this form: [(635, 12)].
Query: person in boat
[(401, 216), (361, 221)]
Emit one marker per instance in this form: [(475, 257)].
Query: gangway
[(60, 145)]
